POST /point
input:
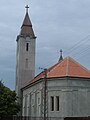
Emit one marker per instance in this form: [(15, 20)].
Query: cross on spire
[(27, 7), (61, 52), (61, 58)]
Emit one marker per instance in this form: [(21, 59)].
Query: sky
[(58, 24)]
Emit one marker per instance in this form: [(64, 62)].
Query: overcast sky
[(58, 24)]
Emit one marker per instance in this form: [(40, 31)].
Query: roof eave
[(66, 77)]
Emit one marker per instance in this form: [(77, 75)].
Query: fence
[(28, 118), (77, 118), (39, 118)]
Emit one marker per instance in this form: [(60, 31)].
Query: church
[(63, 90)]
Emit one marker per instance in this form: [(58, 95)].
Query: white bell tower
[(25, 58)]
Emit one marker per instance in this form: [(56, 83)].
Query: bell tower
[(25, 57)]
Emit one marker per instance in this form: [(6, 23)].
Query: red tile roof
[(66, 67), (69, 67), (26, 28)]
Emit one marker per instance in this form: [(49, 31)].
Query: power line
[(73, 49), (84, 54), (82, 51), (78, 44)]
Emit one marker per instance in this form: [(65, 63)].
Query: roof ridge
[(80, 65), (39, 74), (67, 67), (49, 69)]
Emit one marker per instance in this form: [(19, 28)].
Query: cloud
[(57, 24)]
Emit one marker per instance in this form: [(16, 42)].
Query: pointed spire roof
[(26, 28), (61, 57)]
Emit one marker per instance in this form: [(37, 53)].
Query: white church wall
[(75, 102), (82, 102), (73, 95), (23, 106), (25, 62), (68, 101), (88, 102), (34, 104), (58, 87), (28, 104), (80, 97), (54, 113), (38, 103)]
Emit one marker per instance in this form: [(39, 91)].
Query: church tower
[(25, 57)]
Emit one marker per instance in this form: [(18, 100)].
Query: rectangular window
[(25, 112), (38, 101), (24, 106), (39, 108), (27, 46), (57, 103), (52, 103), (26, 64)]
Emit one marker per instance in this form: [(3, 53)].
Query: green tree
[(8, 101)]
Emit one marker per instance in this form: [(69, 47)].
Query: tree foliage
[(8, 101)]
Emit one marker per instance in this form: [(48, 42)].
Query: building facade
[(67, 92), (67, 96), (25, 58)]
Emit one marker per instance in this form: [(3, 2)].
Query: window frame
[(52, 103), (26, 63), (27, 46), (57, 103)]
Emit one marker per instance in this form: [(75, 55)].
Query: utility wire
[(83, 50), (73, 50), (84, 54), (78, 44)]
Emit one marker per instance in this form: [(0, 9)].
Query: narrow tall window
[(24, 106), (57, 103), (26, 64), (25, 112), (52, 103), (27, 46)]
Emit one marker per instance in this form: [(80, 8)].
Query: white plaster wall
[(34, 103), (74, 97), (23, 74)]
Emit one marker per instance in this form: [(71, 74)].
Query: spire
[(26, 28), (61, 58)]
